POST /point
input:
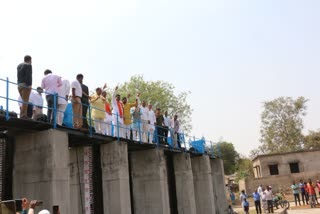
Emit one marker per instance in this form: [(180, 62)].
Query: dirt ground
[(303, 209)]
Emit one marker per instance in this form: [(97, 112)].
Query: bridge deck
[(16, 126)]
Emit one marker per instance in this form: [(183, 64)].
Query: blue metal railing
[(197, 145)]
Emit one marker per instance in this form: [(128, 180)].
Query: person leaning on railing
[(51, 83), (24, 77)]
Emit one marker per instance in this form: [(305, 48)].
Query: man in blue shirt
[(303, 192), (257, 203), (295, 191)]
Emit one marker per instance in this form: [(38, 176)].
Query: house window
[(274, 169), (294, 167)]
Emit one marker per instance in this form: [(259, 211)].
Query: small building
[(280, 169)]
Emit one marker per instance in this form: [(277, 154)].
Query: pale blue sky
[(231, 55)]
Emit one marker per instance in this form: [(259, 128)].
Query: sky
[(232, 55)]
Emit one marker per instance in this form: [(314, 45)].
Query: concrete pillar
[(149, 182), (219, 185), (115, 178), (77, 191), (203, 187), (184, 184), (41, 170)]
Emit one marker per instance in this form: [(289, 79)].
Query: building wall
[(277, 182), (308, 162)]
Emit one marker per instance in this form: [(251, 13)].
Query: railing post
[(212, 149), (140, 136), (184, 141), (90, 120), (7, 99), (54, 114), (156, 135), (118, 128)]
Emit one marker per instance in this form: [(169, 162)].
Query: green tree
[(281, 129), (244, 168), (161, 95), (312, 140), (229, 156)]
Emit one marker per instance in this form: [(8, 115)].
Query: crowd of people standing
[(131, 120)]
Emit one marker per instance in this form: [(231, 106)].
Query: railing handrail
[(186, 140)]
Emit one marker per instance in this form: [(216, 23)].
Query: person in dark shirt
[(84, 101), (159, 125), (24, 77)]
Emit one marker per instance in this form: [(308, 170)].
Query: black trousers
[(258, 206), (304, 198), (50, 102), (84, 115), (160, 134), (296, 198), (270, 206), (165, 133)]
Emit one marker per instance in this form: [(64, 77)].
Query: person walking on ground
[(84, 101), (245, 205), (76, 103), (243, 195), (51, 83), (260, 189), (312, 193), (232, 198), (317, 186), (24, 80), (256, 197), (303, 192), (269, 197), (295, 191), (264, 204)]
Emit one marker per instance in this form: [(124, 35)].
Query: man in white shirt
[(260, 189), (167, 126), (63, 93), (37, 103), (144, 121), (176, 131), (151, 121), (50, 83), (117, 111), (76, 103), (269, 198)]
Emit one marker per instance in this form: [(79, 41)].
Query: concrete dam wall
[(113, 177)]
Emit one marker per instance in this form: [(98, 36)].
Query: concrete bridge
[(92, 173)]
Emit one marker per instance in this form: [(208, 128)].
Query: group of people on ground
[(307, 191), (262, 197), (131, 120)]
